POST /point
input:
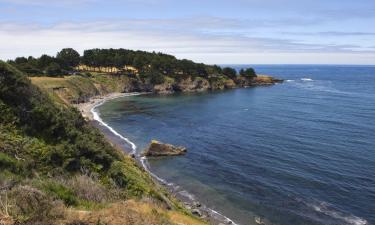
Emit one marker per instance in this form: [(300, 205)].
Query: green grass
[(61, 192)]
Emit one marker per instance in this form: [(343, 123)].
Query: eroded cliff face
[(261, 80), (78, 89), (196, 84)]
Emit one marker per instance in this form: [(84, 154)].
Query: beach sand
[(85, 108)]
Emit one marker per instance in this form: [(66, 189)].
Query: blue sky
[(210, 31)]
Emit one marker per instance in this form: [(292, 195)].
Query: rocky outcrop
[(260, 80), (188, 85), (165, 88), (157, 148), (79, 89)]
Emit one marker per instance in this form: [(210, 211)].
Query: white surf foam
[(187, 194), (96, 117), (229, 221), (324, 208), (306, 79), (146, 167)]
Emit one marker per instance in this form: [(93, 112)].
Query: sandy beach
[(85, 108)]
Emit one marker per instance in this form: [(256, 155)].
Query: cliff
[(77, 88), (55, 168)]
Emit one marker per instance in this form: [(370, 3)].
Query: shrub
[(249, 72), (61, 192), (86, 188), (31, 206)]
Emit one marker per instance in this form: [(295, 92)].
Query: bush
[(31, 206), (86, 188), (230, 72), (61, 192), (53, 69), (249, 72)]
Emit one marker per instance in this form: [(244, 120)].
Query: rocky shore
[(157, 149), (195, 207)]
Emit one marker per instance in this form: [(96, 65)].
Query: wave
[(318, 85), (144, 162), (96, 117), (324, 208)]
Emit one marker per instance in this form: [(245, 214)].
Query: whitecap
[(324, 208), (306, 79), (229, 221), (187, 194)]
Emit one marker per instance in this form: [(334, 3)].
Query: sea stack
[(156, 149)]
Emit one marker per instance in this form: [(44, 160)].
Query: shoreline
[(198, 209), (87, 107)]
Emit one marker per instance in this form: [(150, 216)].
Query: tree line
[(149, 64)]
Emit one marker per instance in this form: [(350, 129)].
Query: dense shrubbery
[(39, 137), (62, 64), (149, 64), (249, 72), (52, 160)]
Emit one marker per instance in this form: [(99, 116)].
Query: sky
[(209, 31)]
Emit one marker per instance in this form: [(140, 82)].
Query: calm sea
[(301, 152)]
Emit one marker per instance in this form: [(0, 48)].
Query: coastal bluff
[(157, 149)]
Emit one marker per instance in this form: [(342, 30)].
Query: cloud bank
[(244, 31)]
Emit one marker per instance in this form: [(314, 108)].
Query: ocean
[(300, 152)]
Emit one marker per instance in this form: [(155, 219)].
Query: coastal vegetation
[(55, 168), (147, 68), (71, 78)]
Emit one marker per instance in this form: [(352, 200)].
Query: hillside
[(57, 169), (74, 78)]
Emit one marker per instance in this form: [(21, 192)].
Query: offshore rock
[(157, 148)]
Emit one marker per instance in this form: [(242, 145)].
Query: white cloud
[(167, 36)]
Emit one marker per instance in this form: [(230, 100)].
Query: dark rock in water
[(197, 204), (157, 148), (196, 212)]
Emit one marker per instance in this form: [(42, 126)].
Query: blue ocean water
[(301, 152)]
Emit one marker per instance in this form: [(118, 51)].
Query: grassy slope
[(57, 169), (77, 88)]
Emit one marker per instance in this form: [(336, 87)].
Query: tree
[(68, 58), (44, 61), (156, 77), (20, 60), (53, 69), (230, 72), (249, 72)]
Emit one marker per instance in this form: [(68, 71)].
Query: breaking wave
[(324, 208), (96, 117)]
